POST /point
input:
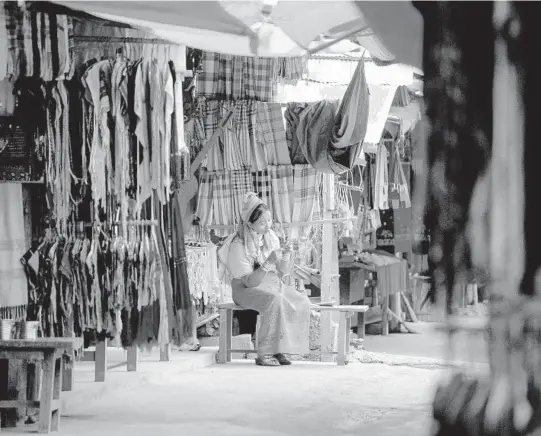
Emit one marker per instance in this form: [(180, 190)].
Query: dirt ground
[(181, 397)]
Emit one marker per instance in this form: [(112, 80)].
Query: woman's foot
[(283, 359), (267, 361)]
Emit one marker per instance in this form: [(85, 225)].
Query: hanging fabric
[(13, 285)]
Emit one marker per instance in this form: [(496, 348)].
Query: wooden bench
[(344, 329), (49, 352)]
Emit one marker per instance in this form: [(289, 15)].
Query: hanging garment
[(98, 81), (182, 300), (271, 133), (205, 196), (263, 187), (292, 117), (314, 133), (222, 200), (352, 120), (144, 189), (305, 182), (241, 184), (282, 193), (230, 77), (381, 183), (13, 284)]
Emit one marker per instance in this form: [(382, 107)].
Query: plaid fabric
[(305, 183), (204, 199), (4, 52), (262, 186), (228, 77), (282, 189), (238, 148), (222, 201), (271, 133), (241, 184)]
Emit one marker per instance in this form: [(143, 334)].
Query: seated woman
[(256, 265)]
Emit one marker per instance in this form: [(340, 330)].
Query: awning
[(294, 27)]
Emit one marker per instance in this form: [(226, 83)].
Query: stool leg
[(226, 330), (348, 335), (47, 393), (342, 335), (58, 375)]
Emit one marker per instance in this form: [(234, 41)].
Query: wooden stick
[(400, 321), (409, 309)]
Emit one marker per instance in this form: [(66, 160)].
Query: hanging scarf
[(257, 246)]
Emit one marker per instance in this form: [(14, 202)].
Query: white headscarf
[(257, 247)]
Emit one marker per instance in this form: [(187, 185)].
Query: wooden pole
[(327, 293)]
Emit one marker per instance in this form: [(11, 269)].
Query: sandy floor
[(183, 398), (242, 399)]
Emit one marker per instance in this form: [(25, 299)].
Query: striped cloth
[(222, 201), (204, 199), (282, 188), (305, 181), (271, 133), (238, 147), (228, 77), (262, 186), (241, 184)]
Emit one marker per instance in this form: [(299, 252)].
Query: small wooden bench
[(49, 351), (344, 329)]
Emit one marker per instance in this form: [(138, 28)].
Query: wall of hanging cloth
[(109, 130), (254, 139), (13, 295), (229, 77), (290, 191)]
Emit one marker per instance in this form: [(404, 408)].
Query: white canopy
[(390, 31)]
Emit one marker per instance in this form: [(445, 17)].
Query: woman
[(256, 265)]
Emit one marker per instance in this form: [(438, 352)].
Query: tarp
[(296, 27)]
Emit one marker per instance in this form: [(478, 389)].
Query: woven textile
[(282, 188), (222, 201), (238, 147), (241, 184), (228, 77), (305, 181), (271, 133), (262, 187), (13, 285), (204, 199)]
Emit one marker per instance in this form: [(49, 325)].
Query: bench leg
[(47, 393), (58, 382), (132, 358), (361, 325), (100, 361), (67, 376), (348, 335), (342, 339), (165, 353), (226, 331)]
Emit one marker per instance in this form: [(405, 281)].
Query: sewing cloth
[(13, 285)]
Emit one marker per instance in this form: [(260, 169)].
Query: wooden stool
[(226, 332)]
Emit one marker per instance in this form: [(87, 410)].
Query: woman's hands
[(274, 257)]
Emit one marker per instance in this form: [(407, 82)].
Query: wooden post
[(385, 316), (327, 260), (165, 353), (68, 376), (100, 361), (47, 393), (132, 358)]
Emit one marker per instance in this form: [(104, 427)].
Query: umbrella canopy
[(287, 28)]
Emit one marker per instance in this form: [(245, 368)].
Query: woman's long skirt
[(284, 316)]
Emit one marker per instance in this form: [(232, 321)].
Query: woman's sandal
[(267, 361), (283, 359)]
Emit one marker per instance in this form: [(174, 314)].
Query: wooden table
[(357, 275), (49, 351)]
